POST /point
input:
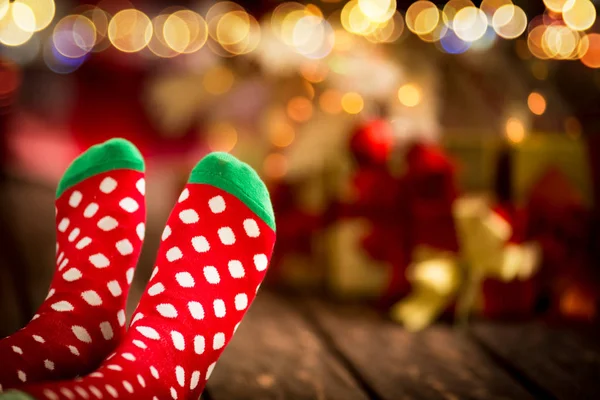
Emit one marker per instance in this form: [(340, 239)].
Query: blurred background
[(434, 159)]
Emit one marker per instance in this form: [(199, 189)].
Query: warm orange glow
[(536, 103), (218, 80), (573, 127), (576, 303), (591, 58), (222, 137), (299, 109), (330, 101), (275, 166), (281, 132), (314, 72), (130, 30), (515, 131), (352, 103), (409, 95)]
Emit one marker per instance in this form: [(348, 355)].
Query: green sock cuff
[(237, 178), (113, 154), (15, 395)]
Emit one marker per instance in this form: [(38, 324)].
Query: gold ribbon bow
[(438, 278)]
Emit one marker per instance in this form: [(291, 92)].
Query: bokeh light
[(275, 166), (313, 37), (555, 5), (4, 7), (470, 24), (410, 95), (591, 58), (514, 130), (314, 71), (489, 7), (130, 30), (451, 8), (299, 109), (100, 19), (509, 21), (377, 10), (185, 31), (43, 12), (11, 33), (58, 62), (352, 103), (330, 101), (579, 14), (535, 42), (281, 132), (218, 80), (221, 136), (158, 45), (74, 36), (422, 17), (536, 103)]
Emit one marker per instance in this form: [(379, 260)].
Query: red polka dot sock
[(100, 214), (213, 257)]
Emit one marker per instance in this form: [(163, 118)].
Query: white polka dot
[(219, 308), (212, 275), (107, 185), (194, 380), (74, 234), (154, 372), (38, 339), (97, 375), (63, 264), (173, 393), (128, 386), (107, 223), (91, 210), (95, 391), (148, 332), (174, 254), (49, 365), (83, 243), (178, 340), (60, 257), (115, 367), (114, 288), (166, 233), (140, 344), (136, 318), (22, 376), (99, 260), (74, 350), (251, 228), (261, 262), (141, 381), (241, 301), (180, 374), (72, 275), (141, 230), (196, 310), (154, 272), (81, 333), (50, 394), (218, 341), (124, 247), (189, 216), (128, 204), (80, 391), (63, 224), (17, 350), (185, 279), (112, 391), (107, 330), (200, 244), (75, 198), (121, 317), (167, 310), (199, 344), (128, 356), (236, 269), (68, 394), (62, 306), (210, 369), (184, 195), (91, 297), (129, 275), (217, 204), (141, 186), (226, 235), (155, 289), (36, 316)]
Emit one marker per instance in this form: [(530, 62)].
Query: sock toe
[(113, 154), (237, 178)]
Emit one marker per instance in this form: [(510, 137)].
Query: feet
[(100, 214), (214, 254)]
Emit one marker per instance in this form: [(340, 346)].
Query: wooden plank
[(437, 363), (276, 355), (562, 362)]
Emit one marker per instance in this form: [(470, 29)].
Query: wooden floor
[(298, 348)]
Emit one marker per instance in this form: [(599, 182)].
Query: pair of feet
[(213, 256)]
